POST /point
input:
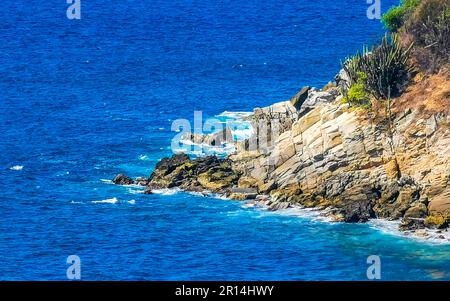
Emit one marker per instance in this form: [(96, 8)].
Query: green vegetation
[(429, 29), (385, 69), (357, 93), (422, 39), (394, 18)]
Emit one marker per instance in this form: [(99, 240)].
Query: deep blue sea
[(84, 100)]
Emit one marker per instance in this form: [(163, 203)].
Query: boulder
[(342, 80), (409, 224), (122, 179), (357, 211)]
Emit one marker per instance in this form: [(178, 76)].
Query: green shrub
[(386, 68), (357, 93), (395, 17), (429, 28)]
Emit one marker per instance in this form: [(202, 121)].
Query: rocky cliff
[(359, 163), (353, 164)]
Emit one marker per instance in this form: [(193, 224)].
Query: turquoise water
[(84, 100)]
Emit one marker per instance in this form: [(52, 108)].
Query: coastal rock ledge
[(353, 164)]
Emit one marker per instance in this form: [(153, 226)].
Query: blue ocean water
[(83, 100)]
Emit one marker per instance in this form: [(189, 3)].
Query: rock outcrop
[(122, 179), (208, 173), (355, 163), (216, 139)]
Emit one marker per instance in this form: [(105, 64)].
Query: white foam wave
[(166, 191), (132, 202), (234, 115), (107, 201), (425, 235), (202, 149), (136, 191), (16, 167), (312, 214), (242, 134), (143, 158), (197, 193), (382, 225)]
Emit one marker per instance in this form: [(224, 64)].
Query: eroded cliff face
[(358, 163)]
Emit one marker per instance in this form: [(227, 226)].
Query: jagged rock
[(169, 171), (278, 206), (242, 195), (122, 179), (209, 173), (417, 210), (238, 196), (414, 217), (267, 187), (356, 203), (299, 98), (395, 202), (141, 181), (248, 182), (316, 98), (411, 224), (217, 179), (342, 80), (214, 139)]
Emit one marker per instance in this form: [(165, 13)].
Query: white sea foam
[(106, 181), (143, 158), (197, 193), (202, 149), (425, 235), (16, 167), (234, 115), (166, 191), (132, 202), (312, 214), (136, 191), (107, 201), (387, 227), (309, 213), (242, 134)]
